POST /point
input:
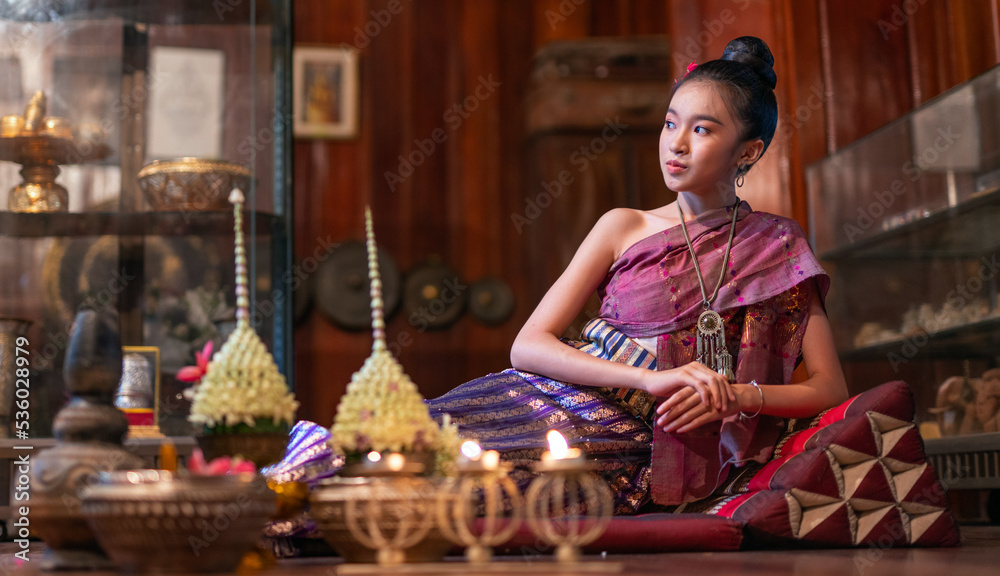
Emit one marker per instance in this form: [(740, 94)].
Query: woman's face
[(700, 143)]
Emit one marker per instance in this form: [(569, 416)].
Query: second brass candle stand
[(482, 508)]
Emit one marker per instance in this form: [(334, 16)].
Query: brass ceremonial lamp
[(568, 506), (482, 508), (41, 144)]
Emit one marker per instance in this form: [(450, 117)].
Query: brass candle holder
[(482, 508), (40, 145), (567, 505), (399, 512)]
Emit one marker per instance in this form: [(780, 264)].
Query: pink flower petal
[(204, 356), (190, 374), (196, 463), (220, 465), (244, 466)]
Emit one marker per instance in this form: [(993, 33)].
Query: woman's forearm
[(801, 400), (547, 355)]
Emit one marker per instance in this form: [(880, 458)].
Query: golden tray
[(192, 183), (40, 149)]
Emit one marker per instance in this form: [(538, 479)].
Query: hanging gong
[(491, 301), (343, 287), (434, 296)]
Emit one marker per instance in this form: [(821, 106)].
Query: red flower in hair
[(690, 69)]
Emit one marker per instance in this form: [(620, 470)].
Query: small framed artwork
[(138, 394), (186, 102), (325, 92)]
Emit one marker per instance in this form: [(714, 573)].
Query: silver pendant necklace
[(709, 330)]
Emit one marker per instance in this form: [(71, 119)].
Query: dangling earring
[(740, 173)]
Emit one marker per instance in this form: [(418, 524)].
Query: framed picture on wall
[(325, 92)]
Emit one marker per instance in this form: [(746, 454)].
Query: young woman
[(706, 308)]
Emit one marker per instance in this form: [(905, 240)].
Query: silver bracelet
[(743, 415)]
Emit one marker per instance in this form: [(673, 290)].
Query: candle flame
[(395, 462), (471, 450), (557, 444), (491, 459)]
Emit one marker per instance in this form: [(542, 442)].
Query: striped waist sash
[(601, 339)]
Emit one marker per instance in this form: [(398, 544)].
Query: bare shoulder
[(621, 219), (626, 226), (616, 226)]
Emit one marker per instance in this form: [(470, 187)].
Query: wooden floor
[(978, 555)]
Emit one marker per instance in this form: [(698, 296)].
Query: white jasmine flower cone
[(242, 384), (382, 410)]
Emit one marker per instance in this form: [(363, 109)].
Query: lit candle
[(560, 457), (471, 450), (391, 464), (473, 459), (395, 462), (558, 448), (491, 459)]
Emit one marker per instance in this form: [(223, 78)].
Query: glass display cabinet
[(125, 125), (907, 223)]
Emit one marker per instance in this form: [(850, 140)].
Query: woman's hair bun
[(753, 52)]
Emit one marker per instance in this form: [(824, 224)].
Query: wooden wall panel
[(557, 20), (927, 42), (974, 37), (840, 77), (949, 42), (868, 69), (802, 117)]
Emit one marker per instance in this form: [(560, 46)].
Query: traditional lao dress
[(650, 300)]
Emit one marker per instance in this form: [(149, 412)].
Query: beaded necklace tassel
[(710, 332), (711, 344)]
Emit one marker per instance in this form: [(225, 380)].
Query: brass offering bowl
[(158, 521), (328, 507), (192, 183)]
